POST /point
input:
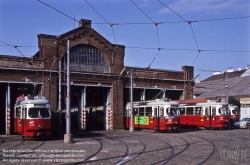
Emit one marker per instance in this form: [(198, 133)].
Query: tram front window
[(235, 111), (39, 113), (171, 111), (222, 111)]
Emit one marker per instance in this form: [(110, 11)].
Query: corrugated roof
[(222, 76), (214, 86)]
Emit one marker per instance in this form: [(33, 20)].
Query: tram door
[(19, 119), (23, 119), (156, 119), (207, 119), (210, 117), (213, 117)]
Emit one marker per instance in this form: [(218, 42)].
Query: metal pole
[(131, 102), (68, 127), (226, 89), (229, 114), (8, 112), (84, 96), (68, 137), (60, 97), (84, 108)]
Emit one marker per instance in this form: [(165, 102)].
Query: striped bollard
[(109, 118), (83, 120), (8, 122)]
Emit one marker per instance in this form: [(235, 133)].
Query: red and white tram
[(235, 113), (203, 113), (157, 115), (32, 117)]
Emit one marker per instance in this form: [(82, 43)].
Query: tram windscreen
[(222, 111), (235, 111), (38, 113), (171, 111)]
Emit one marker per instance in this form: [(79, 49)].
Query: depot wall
[(44, 67)]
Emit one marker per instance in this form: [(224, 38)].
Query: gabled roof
[(215, 86), (222, 76), (83, 24)]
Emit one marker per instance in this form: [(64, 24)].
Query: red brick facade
[(53, 48)]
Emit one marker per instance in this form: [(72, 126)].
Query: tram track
[(169, 157), (1, 152), (126, 154), (2, 141), (123, 160), (140, 153), (17, 155), (173, 154), (88, 159), (186, 147), (154, 150), (213, 151)]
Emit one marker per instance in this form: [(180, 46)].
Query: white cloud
[(208, 6)]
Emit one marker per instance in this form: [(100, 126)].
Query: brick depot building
[(98, 78)]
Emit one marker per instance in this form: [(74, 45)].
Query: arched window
[(87, 58)]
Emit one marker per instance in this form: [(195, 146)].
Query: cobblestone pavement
[(187, 147)]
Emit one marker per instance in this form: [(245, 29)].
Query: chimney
[(85, 23)]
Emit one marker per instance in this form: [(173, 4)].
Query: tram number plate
[(31, 123)]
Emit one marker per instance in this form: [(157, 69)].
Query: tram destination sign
[(20, 98)]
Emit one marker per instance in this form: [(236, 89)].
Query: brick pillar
[(117, 106), (188, 82)]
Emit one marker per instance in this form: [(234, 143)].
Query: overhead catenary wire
[(183, 21), (14, 47), (154, 58), (174, 22), (58, 10), (29, 61), (189, 22), (155, 23), (164, 49), (111, 25), (157, 31)]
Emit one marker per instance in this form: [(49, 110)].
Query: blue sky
[(226, 42)]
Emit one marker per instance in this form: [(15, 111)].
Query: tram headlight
[(40, 126), (176, 122)]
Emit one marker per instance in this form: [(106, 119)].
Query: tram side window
[(189, 110), (206, 111), (235, 112), (161, 111), (135, 112), (141, 111), (148, 111), (170, 111), (222, 111), (182, 111), (198, 110), (23, 113), (18, 112), (155, 111), (213, 111)]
